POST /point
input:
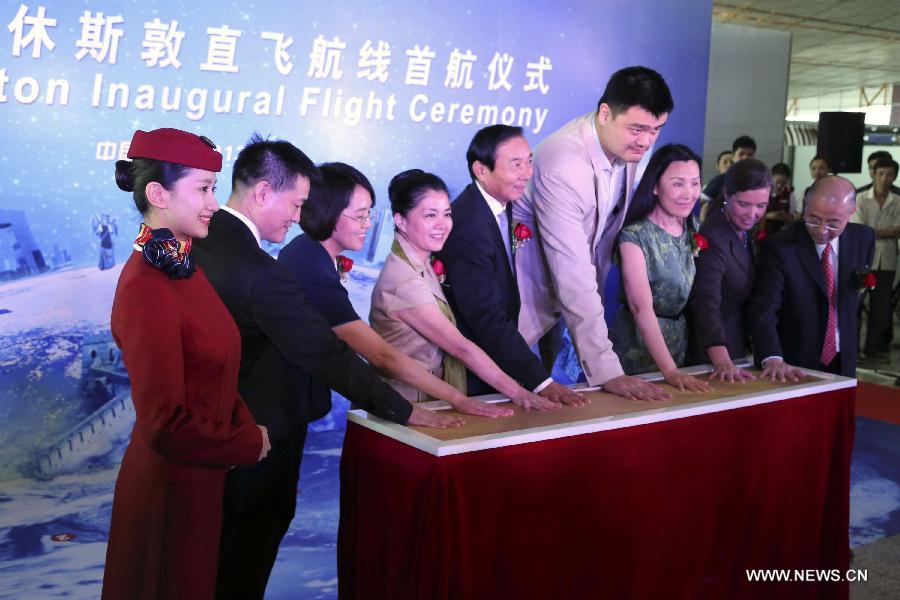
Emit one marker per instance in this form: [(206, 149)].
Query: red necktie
[(829, 349)]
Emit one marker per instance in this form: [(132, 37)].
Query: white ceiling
[(836, 44)]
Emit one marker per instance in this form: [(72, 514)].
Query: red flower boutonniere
[(343, 265), (438, 267), (864, 280), (698, 243), (521, 234), (761, 235)]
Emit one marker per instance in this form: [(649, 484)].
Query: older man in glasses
[(809, 287)]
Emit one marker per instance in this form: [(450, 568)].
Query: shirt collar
[(413, 257), (820, 248), (494, 204), (618, 164), (246, 221)]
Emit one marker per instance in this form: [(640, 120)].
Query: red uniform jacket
[(182, 351)]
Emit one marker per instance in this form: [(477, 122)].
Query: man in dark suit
[(479, 257), (284, 342), (804, 309)]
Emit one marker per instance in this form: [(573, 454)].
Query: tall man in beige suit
[(584, 176)]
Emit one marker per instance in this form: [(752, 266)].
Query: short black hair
[(483, 146), (134, 175), (276, 161), (328, 199), (637, 86), (887, 162), (723, 153), (878, 154), (781, 169), (743, 141), (747, 174), (408, 188)]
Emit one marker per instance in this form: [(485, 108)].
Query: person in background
[(724, 160), (818, 167), (804, 307), (409, 309), (781, 201), (480, 257), (656, 249), (182, 351), (742, 147), (873, 158), (726, 271), (336, 219), (879, 208)]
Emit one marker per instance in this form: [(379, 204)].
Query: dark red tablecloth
[(677, 509)]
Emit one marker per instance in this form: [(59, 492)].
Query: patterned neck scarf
[(160, 248)]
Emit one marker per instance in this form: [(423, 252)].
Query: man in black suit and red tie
[(479, 258), (809, 287), (285, 343)]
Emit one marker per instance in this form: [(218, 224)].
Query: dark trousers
[(879, 328), (834, 367), (260, 502)]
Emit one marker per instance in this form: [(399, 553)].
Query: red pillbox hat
[(176, 146)]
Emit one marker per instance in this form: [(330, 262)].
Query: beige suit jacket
[(567, 205)]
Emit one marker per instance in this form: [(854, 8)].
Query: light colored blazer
[(567, 205)]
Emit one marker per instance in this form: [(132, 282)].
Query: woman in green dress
[(656, 250)]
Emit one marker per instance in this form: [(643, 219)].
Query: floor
[(879, 559)]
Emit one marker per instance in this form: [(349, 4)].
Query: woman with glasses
[(726, 270), (336, 218)]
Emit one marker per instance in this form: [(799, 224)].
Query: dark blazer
[(789, 308), (284, 344), (482, 291), (284, 340), (722, 285)]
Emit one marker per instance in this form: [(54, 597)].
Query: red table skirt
[(676, 509)]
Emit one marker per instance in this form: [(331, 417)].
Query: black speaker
[(841, 140)]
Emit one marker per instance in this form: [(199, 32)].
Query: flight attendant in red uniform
[(182, 351)]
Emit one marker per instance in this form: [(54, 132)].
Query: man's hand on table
[(556, 392), (634, 388), (778, 370)]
